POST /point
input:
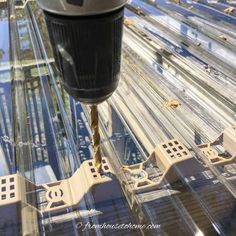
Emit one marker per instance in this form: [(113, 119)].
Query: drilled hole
[(3, 181), (12, 187), (142, 184), (180, 147), (168, 151), (215, 160), (57, 204), (3, 189), (11, 180), (3, 197), (174, 149), (12, 195)]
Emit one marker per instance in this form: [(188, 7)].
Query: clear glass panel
[(167, 91)]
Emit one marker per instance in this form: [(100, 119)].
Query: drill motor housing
[(86, 37)]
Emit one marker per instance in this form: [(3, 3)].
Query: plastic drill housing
[(86, 41)]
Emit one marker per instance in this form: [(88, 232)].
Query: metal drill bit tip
[(96, 137)]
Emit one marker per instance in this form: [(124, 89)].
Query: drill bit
[(96, 137)]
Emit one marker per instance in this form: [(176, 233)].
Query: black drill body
[(86, 37), (87, 51)]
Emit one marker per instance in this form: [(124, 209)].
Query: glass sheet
[(45, 135)]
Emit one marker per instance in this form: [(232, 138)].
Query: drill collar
[(80, 7)]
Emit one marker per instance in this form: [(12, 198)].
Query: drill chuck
[(86, 37)]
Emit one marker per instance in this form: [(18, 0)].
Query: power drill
[(86, 38)]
